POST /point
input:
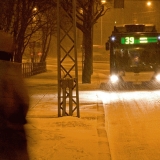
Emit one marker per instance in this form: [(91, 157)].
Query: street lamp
[(35, 9), (103, 1), (149, 3)]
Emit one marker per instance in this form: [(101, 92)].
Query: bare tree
[(17, 17), (45, 25), (6, 14), (48, 30), (88, 12)]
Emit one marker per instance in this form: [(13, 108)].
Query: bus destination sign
[(138, 40)]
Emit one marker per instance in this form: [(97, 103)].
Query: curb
[(104, 149)]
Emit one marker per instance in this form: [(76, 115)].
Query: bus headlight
[(114, 78), (158, 77)]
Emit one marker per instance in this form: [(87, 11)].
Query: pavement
[(71, 138)]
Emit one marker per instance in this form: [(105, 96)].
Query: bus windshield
[(142, 57)]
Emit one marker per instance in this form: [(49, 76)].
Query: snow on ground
[(133, 124)]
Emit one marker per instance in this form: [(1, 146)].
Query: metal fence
[(30, 69)]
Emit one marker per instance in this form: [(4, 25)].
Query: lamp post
[(103, 2)]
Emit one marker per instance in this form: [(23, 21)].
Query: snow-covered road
[(133, 124)]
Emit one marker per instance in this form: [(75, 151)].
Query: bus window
[(150, 57), (134, 58), (121, 59)]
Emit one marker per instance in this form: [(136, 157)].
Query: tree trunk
[(18, 56), (19, 52), (88, 59), (46, 40)]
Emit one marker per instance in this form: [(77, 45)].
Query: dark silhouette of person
[(14, 104)]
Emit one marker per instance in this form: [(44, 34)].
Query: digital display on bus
[(138, 40)]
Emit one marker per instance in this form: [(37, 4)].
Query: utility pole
[(68, 94)]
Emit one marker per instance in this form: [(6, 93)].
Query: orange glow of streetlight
[(149, 3), (103, 1)]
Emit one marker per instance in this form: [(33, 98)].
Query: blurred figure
[(14, 103)]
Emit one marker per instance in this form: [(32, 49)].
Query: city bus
[(134, 54)]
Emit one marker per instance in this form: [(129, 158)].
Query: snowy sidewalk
[(57, 138)]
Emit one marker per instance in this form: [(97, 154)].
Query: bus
[(134, 54)]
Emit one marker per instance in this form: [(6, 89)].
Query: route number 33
[(129, 40)]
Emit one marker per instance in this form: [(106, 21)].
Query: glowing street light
[(103, 1), (149, 3), (35, 9)]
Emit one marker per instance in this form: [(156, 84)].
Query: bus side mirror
[(107, 46)]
